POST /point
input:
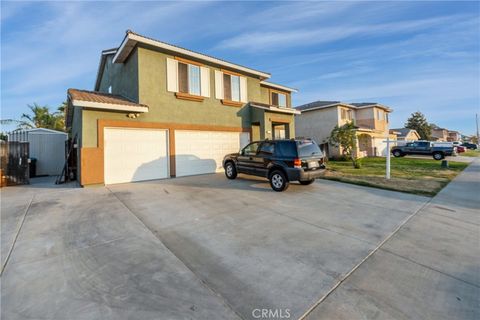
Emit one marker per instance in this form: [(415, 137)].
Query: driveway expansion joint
[(377, 248), (205, 284), (430, 268), (16, 235)]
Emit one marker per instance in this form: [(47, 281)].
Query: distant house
[(318, 119), (454, 136), (439, 134), (406, 134)]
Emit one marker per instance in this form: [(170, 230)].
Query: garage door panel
[(135, 155), (200, 152)]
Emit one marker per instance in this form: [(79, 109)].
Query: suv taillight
[(297, 163)]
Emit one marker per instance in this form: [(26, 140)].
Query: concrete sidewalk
[(429, 269)]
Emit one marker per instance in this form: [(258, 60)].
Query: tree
[(40, 117), (418, 122), (345, 137)]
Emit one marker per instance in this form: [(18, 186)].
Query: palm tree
[(40, 117)]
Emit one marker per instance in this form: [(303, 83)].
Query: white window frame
[(278, 99), (189, 79)]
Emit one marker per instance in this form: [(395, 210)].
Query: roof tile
[(101, 97)]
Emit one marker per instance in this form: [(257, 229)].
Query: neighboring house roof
[(403, 132), (100, 100), (278, 86), (328, 104), (362, 105), (131, 39), (272, 108), (318, 105), (435, 127)]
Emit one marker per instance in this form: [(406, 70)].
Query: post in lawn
[(387, 173)]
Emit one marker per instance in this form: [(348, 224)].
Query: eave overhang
[(274, 108)]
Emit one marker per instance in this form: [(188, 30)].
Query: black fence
[(14, 158)]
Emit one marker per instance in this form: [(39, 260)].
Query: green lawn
[(419, 176), (471, 153)]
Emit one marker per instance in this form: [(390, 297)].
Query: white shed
[(46, 145)]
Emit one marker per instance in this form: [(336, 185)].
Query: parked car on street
[(471, 146), (438, 152), (460, 149), (281, 161)]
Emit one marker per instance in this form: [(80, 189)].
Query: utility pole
[(476, 118)]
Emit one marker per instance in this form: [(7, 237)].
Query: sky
[(411, 56)]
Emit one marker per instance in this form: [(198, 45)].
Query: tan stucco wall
[(317, 124), (411, 137), (270, 117), (365, 118)]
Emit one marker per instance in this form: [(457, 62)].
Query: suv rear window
[(286, 149), (308, 148)]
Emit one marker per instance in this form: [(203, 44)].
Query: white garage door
[(135, 155), (199, 152)]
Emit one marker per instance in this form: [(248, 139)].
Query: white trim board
[(276, 109), (278, 86), (108, 106)]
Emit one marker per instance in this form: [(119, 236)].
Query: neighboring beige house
[(405, 134), (439, 134), (454, 136), (161, 111), (318, 119)]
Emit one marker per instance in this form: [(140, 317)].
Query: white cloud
[(275, 40)]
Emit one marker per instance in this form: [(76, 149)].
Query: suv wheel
[(438, 156), (307, 182), (230, 170), (397, 153), (278, 181)]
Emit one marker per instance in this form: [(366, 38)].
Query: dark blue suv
[(281, 161)]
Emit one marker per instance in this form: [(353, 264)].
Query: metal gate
[(17, 168)]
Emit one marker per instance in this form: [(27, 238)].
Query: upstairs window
[(231, 87), (347, 114), (279, 99), (188, 78), (380, 114)]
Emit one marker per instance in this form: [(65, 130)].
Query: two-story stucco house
[(159, 111), (439, 134), (454, 136), (317, 120)]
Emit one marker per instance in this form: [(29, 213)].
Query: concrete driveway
[(200, 247)]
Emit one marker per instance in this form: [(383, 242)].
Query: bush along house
[(160, 111)]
